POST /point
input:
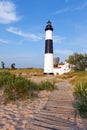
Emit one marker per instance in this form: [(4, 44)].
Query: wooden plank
[(60, 106), (53, 109), (54, 120), (49, 126), (59, 115)]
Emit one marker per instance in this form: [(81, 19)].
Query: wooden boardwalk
[(58, 113)]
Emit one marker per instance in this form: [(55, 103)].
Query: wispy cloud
[(13, 57), (3, 41), (81, 7), (29, 36), (7, 12), (62, 10), (64, 52), (58, 39), (71, 9)]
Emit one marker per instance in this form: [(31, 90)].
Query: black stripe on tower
[(48, 46)]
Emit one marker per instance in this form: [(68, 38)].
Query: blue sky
[(22, 34)]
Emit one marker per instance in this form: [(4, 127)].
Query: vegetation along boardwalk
[(59, 112)]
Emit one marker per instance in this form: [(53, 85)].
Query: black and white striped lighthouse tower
[(48, 58)]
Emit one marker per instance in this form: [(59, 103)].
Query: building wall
[(63, 69)]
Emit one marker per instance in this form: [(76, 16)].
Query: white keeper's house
[(62, 68)]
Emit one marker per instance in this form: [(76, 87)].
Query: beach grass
[(18, 88)]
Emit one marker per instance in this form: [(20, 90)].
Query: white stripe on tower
[(48, 58), (48, 35)]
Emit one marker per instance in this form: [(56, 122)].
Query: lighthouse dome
[(49, 26)]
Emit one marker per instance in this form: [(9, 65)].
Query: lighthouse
[(48, 57)]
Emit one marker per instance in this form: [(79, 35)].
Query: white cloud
[(64, 52), (3, 41), (58, 39), (62, 10), (80, 7), (7, 12), (68, 9), (12, 57), (29, 36)]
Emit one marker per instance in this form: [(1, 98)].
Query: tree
[(78, 61), (13, 66), (86, 60), (3, 64)]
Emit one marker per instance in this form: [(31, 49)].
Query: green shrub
[(4, 77), (46, 85), (17, 87), (80, 92)]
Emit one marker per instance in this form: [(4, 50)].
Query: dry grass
[(37, 75), (26, 72), (78, 77), (75, 77), (34, 74)]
